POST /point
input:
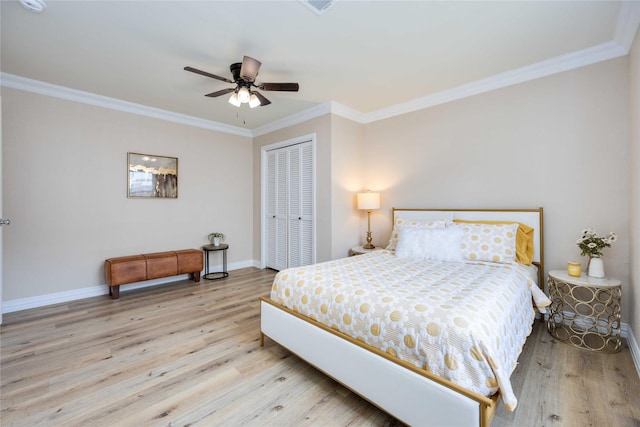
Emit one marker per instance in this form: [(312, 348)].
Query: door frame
[(263, 190), (1, 214)]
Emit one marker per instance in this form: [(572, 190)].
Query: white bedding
[(463, 321)]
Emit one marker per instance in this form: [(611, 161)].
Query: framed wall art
[(151, 176)]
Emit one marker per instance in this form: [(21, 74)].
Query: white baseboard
[(633, 347), (94, 291)]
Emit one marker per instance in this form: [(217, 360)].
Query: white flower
[(592, 244)]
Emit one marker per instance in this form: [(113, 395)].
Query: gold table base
[(586, 317)]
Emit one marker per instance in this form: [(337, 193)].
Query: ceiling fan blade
[(204, 73), (286, 87), (221, 92), (263, 101), (250, 68)]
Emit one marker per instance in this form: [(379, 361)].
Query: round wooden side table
[(585, 311)]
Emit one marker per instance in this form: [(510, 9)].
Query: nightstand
[(359, 250), (585, 311)]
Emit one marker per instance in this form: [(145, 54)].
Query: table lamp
[(368, 201)]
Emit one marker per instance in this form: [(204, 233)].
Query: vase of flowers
[(592, 244), (216, 238)]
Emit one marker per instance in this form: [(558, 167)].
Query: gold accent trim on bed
[(483, 400)]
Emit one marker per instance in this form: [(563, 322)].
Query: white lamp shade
[(368, 201), (234, 99), (254, 101), (244, 95)]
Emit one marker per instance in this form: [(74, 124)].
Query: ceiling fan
[(244, 76)]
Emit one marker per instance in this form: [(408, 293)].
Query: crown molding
[(348, 112), (626, 28), (294, 119), (570, 61), (48, 89), (627, 24)]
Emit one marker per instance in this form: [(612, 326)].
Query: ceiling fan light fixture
[(254, 101), (244, 95), (234, 99), (244, 74)]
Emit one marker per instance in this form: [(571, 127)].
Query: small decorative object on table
[(216, 238), (592, 244), (574, 268)]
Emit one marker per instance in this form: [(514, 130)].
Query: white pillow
[(437, 244), (408, 223)]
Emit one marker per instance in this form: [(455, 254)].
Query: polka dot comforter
[(463, 321)]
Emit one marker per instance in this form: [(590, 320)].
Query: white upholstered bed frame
[(413, 396)]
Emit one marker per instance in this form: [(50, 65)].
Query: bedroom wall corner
[(347, 146), (634, 196)]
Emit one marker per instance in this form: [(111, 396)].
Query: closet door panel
[(289, 207), (270, 211), (295, 176), (305, 215), (276, 210)]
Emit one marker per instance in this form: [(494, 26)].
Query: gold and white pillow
[(489, 242), (408, 223)]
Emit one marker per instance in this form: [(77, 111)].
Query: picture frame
[(151, 177)]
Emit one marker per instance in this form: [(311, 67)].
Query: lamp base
[(368, 245)]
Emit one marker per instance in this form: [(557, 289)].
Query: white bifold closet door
[(289, 206)]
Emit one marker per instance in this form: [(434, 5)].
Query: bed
[(428, 332)]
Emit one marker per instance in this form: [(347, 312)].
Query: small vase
[(596, 267), (216, 241)]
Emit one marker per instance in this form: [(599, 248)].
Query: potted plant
[(216, 238), (592, 245)]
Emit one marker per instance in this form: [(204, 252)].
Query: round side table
[(217, 274), (585, 311)]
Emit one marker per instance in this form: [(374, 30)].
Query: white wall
[(561, 142), (633, 294), (65, 182), (347, 171)]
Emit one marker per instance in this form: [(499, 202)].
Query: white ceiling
[(369, 57)]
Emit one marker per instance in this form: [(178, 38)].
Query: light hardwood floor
[(188, 354)]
